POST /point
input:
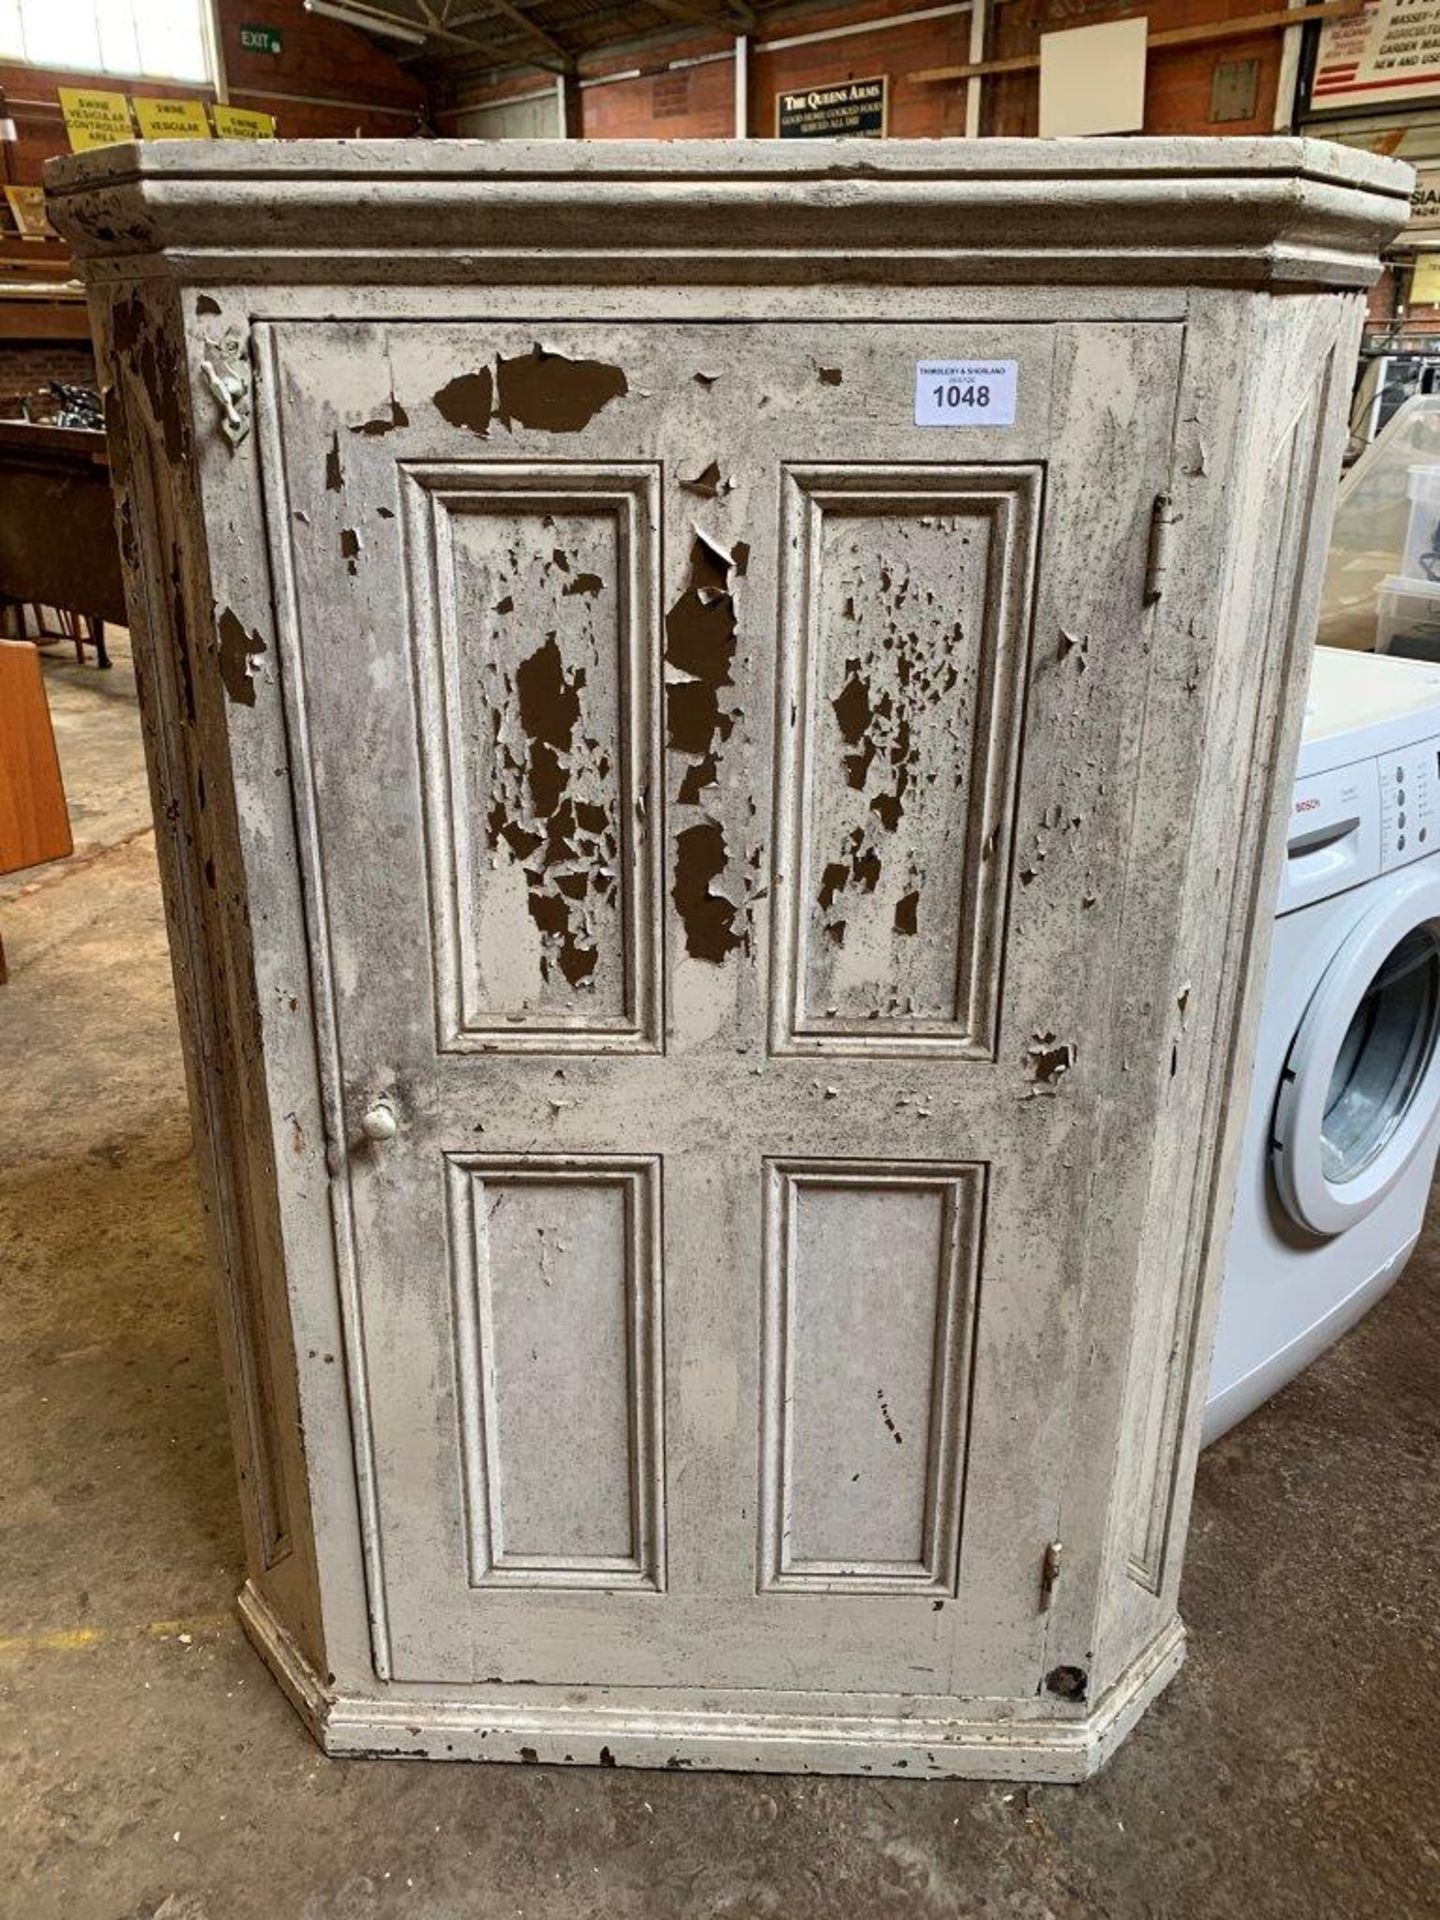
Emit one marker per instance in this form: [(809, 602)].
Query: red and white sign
[(1386, 53)]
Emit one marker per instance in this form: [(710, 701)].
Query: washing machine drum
[(1360, 1093)]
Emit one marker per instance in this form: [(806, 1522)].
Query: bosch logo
[(1306, 806)]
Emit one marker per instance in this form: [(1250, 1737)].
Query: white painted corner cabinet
[(716, 715)]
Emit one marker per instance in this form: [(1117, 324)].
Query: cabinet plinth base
[(982, 1746)]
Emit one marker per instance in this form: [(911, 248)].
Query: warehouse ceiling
[(546, 33)]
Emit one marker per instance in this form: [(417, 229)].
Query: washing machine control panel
[(1334, 839), (1410, 803)]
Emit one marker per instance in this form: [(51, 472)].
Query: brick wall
[(691, 103), (698, 102), (916, 111), (354, 86), (1388, 310), (28, 367), (1178, 80)]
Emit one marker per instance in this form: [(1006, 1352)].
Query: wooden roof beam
[(561, 57), (734, 16)]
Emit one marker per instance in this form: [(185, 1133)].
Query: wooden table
[(34, 821), (58, 546)]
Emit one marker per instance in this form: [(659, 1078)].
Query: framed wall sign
[(856, 107), (1387, 53)]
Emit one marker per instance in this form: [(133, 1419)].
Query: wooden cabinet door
[(716, 797)]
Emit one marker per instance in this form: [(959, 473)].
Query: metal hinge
[(1157, 560), (1049, 1574), (227, 374)]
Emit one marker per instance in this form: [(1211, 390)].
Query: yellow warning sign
[(172, 119), (94, 119), (27, 210), (242, 123)]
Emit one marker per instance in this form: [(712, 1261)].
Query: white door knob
[(379, 1122)]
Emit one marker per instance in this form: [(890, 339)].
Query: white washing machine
[(1344, 1121)]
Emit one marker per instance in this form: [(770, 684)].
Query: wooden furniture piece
[(57, 526), (34, 820), (717, 924)]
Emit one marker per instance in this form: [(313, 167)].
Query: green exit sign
[(260, 40)]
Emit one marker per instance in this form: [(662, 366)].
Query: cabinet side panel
[(1289, 475), (1274, 537), (1303, 437), (180, 661)]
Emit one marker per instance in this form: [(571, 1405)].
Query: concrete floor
[(148, 1766)]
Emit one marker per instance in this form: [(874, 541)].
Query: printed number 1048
[(955, 395)]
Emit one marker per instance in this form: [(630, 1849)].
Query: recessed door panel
[(907, 622), (534, 593), (558, 1344), (869, 1303)]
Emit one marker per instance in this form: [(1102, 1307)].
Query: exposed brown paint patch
[(128, 324), (180, 628), (206, 305), (589, 584), (1048, 1060), (1067, 1683), (153, 359), (709, 919), (552, 392), (334, 469), (125, 528), (704, 773), (899, 688), (707, 483), (700, 644), (830, 376), (350, 549), (700, 637), (551, 808), (469, 401), (373, 429), (115, 428), (239, 650)]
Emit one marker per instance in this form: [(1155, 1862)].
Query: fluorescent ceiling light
[(392, 28)]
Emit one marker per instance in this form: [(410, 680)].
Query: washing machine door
[(1360, 1091)]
